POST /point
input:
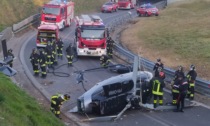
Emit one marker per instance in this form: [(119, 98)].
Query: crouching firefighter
[(70, 54), (157, 84), (56, 102), (191, 76), (104, 60)]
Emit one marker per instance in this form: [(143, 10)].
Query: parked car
[(109, 7), (147, 10)]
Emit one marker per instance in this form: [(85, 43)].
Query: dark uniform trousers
[(70, 59)]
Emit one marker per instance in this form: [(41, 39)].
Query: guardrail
[(25, 23), (202, 86)]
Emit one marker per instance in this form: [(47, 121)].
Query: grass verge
[(19, 109), (180, 35)]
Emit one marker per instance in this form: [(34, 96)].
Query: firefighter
[(70, 54), (9, 53), (191, 76), (156, 85), (157, 65), (60, 48), (42, 62), (34, 58), (56, 102), (104, 60), (182, 86), (54, 52), (49, 53), (110, 44), (175, 91)]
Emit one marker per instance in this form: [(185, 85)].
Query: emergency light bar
[(89, 20)]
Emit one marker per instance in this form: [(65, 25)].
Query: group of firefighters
[(48, 57), (182, 86)]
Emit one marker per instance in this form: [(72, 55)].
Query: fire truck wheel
[(146, 14)]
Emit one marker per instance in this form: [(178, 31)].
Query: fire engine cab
[(90, 36), (47, 33), (58, 12), (126, 4)]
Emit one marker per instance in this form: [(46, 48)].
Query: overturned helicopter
[(114, 94)]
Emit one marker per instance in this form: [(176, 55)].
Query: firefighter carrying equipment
[(157, 84), (56, 102)]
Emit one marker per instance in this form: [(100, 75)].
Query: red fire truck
[(58, 12), (47, 33), (91, 36), (126, 4)]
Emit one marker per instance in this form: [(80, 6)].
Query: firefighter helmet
[(192, 67), (34, 50), (180, 68), (10, 50), (66, 97), (161, 74), (158, 60)]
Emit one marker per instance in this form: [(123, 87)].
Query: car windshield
[(53, 11), (92, 34), (150, 6), (47, 35), (108, 4)]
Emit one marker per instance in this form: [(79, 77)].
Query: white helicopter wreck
[(115, 95)]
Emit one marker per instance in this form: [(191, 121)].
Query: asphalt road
[(196, 116)]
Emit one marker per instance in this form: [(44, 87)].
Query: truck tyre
[(146, 14)]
